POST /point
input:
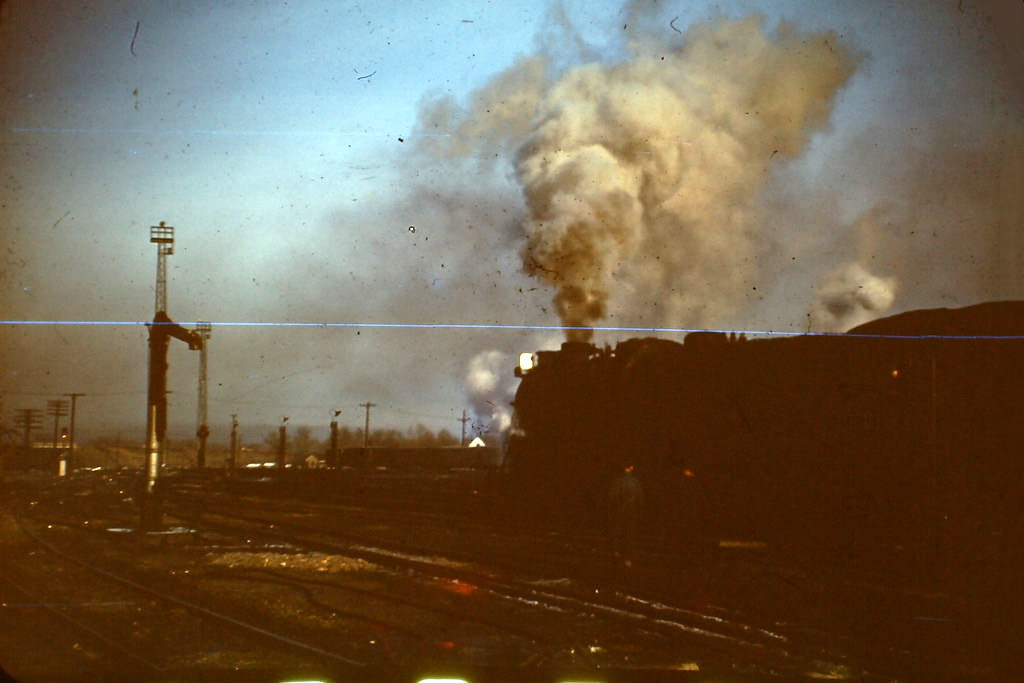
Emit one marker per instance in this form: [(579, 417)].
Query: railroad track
[(602, 592), (552, 554), (828, 595), (733, 605), (63, 612), (433, 569), (558, 619), (539, 644), (128, 626), (401, 643)]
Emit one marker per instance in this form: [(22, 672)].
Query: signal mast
[(160, 331)]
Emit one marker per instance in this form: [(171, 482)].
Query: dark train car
[(902, 427)]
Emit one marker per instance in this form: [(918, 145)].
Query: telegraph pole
[(282, 444), (71, 434), (463, 420), (204, 330), (58, 408), (233, 449), (28, 419), (334, 440), (366, 428)]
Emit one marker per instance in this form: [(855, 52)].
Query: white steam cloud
[(640, 178), (852, 295), (490, 384)]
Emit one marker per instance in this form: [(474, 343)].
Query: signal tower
[(160, 331), (163, 237)]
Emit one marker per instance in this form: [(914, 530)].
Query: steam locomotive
[(905, 427)]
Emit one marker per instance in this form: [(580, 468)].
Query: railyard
[(404, 576)]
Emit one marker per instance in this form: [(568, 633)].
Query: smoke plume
[(852, 295), (640, 178), (667, 179), (489, 384)]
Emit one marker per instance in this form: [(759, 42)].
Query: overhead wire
[(519, 327)]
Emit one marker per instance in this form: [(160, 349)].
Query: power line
[(534, 328), (212, 132), (414, 413), (93, 394), (269, 404)]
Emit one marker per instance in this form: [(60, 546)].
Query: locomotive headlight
[(526, 362)]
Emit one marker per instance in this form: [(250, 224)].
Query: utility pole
[(333, 457), (233, 449), (366, 428), (58, 408), (282, 444), (71, 434), (28, 420), (204, 330), (463, 420)]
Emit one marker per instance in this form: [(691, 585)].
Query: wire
[(211, 132), (513, 327), (91, 394), (412, 413)]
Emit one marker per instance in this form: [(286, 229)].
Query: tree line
[(301, 441)]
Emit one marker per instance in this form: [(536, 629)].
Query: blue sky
[(283, 142)]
